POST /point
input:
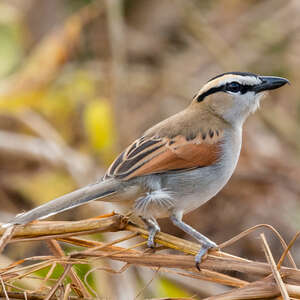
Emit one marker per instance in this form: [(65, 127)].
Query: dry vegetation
[(271, 280), (79, 80)]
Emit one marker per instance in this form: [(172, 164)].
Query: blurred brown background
[(79, 80)]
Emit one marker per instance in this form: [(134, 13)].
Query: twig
[(67, 292), (286, 251), (254, 228), (212, 267), (216, 261), (147, 284), (125, 238), (48, 228), (50, 272), (57, 251), (59, 282), (177, 243), (213, 276), (260, 289), (124, 268), (4, 289), (274, 269), (6, 237), (32, 296)]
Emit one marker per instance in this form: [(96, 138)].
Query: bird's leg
[(153, 228), (206, 242)]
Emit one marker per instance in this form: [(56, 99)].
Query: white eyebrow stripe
[(246, 80)]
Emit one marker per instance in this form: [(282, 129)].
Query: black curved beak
[(270, 83)]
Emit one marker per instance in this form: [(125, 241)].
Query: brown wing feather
[(158, 155)]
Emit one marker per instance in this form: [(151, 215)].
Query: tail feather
[(79, 197)]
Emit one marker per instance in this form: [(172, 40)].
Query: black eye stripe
[(243, 90), (210, 91), (247, 88)]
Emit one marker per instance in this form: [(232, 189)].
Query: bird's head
[(234, 95)]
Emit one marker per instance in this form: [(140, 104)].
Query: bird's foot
[(150, 242), (204, 251), (151, 239), (153, 229)]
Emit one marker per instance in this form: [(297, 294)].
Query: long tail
[(81, 196)]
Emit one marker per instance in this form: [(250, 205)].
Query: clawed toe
[(151, 243), (203, 251), (153, 229)]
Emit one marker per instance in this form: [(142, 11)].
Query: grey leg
[(153, 228), (206, 243)]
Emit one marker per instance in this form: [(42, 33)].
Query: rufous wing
[(158, 155)]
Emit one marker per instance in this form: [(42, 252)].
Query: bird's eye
[(233, 87)]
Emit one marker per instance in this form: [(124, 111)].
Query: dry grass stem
[(286, 251), (275, 272), (6, 237), (4, 289), (213, 268), (48, 229), (67, 292), (57, 251), (59, 282), (255, 228)]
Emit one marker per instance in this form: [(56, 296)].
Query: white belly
[(185, 191)]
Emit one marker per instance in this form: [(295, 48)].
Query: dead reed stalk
[(270, 281)]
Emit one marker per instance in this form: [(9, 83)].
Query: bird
[(179, 164)]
